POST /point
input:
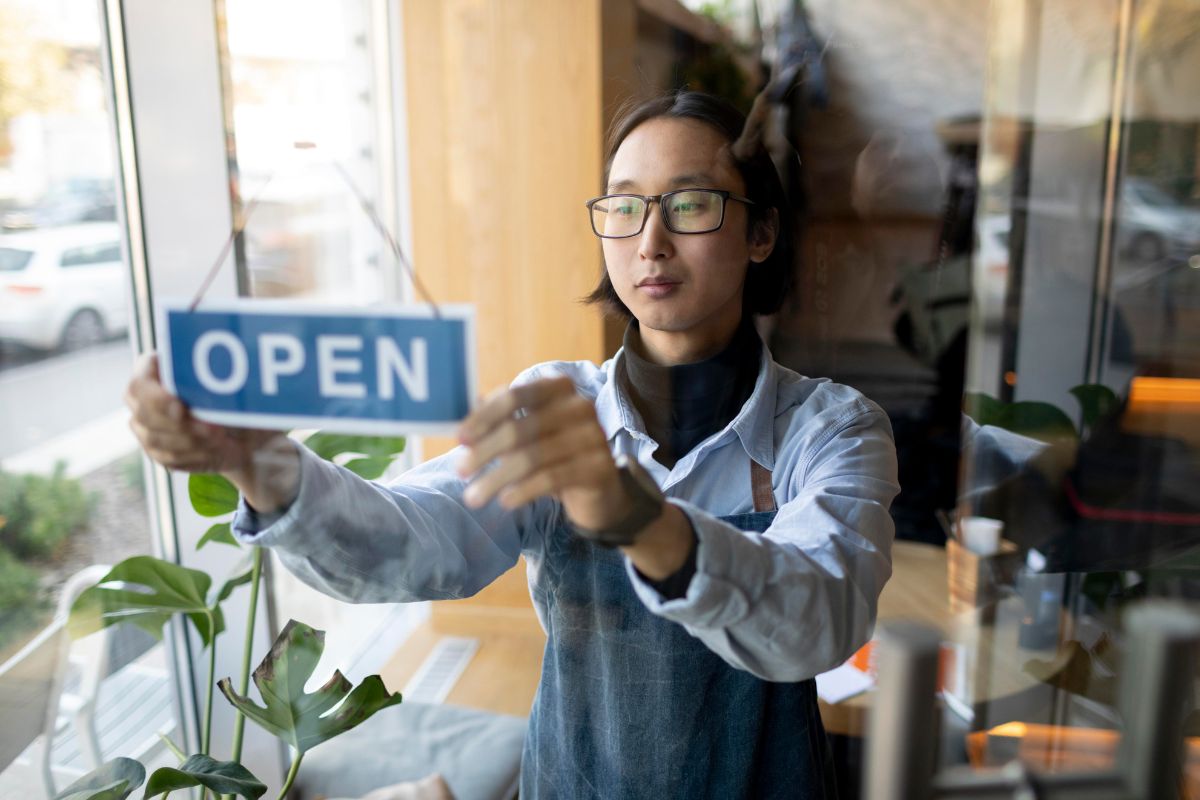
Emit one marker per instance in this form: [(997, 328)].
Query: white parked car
[(1154, 225), (64, 287)]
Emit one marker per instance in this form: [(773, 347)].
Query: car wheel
[(83, 329), (1148, 248)]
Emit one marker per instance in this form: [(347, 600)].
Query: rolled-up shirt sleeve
[(362, 541), (799, 599)]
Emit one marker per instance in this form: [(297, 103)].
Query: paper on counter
[(842, 683)]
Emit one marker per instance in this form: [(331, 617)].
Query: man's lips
[(657, 288)]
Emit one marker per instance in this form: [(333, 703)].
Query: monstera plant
[(148, 592)]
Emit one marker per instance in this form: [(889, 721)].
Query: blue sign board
[(273, 364)]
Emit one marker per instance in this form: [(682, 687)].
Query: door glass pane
[(1083, 429), (311, 84), (72, 496)]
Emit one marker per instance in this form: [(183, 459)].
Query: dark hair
[(767, 282)]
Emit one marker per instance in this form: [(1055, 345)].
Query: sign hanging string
[(368, 208)]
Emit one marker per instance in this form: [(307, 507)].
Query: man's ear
[(763, 237)]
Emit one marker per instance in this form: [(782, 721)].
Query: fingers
[(558, 427), (513, 433), (520, 465), (165, 428), (161, 439), (553, 479), (504, 404), (148, 400), (180, 447), (146, 366)]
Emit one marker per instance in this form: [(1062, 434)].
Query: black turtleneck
[(683, 405)]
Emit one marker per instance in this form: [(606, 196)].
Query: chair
[(31, 684), (69, 705)]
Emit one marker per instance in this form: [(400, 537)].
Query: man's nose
[(655, 240)]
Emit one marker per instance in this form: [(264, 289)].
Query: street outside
[(65, 406), (68, 407)]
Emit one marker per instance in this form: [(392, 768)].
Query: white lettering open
[(278, 354), (413, 372), (202, 362), (330, 365)]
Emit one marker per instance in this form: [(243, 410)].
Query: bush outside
[(38, 514), (18, 591)]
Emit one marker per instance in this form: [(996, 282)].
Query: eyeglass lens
[(695, 211)]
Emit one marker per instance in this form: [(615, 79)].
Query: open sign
[(275, 364)]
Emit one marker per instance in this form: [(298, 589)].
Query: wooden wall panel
[(505, 129), (508, 102)]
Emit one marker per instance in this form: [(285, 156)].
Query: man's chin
[(662, 323)]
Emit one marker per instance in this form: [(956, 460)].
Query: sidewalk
[(83, 449)]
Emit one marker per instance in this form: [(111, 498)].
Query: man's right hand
[(264, 465)]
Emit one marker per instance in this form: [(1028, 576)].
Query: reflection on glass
[(71, 489), (302, 118), (64, 288), (1082, 427), (309, 82)]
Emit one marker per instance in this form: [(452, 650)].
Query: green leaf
[(222, 777), (221, 533), (329, 445), (369, 468), (1096, 400), (118, 790), (983, 408), (1040, 420), (113, 780), (242, 574), (159, 589), (291, 713), (1028, 418), (212, 495)]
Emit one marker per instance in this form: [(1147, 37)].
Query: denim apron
[(631, 705)]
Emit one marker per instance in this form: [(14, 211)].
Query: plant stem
[(239, 723), (174, 748), (208, 696), (291, 777), (212, 676)]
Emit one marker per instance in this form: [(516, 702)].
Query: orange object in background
[(1054, 748), (864, 661), (1167, 407)]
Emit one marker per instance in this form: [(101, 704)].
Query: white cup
[(981, 535)]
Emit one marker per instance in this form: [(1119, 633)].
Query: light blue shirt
[(784, 605)]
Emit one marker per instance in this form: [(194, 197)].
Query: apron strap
[(760, 485)]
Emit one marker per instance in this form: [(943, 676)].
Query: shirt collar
[(613, 406), (754, 424)]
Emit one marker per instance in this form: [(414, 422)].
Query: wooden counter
[(989, 637)]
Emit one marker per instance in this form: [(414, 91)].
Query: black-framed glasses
[(619, 216)]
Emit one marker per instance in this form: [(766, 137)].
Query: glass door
[(73, 496), (1082, 420)]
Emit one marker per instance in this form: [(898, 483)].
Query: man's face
[(680, 286)]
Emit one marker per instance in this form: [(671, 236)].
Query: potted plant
[(148, 592)]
